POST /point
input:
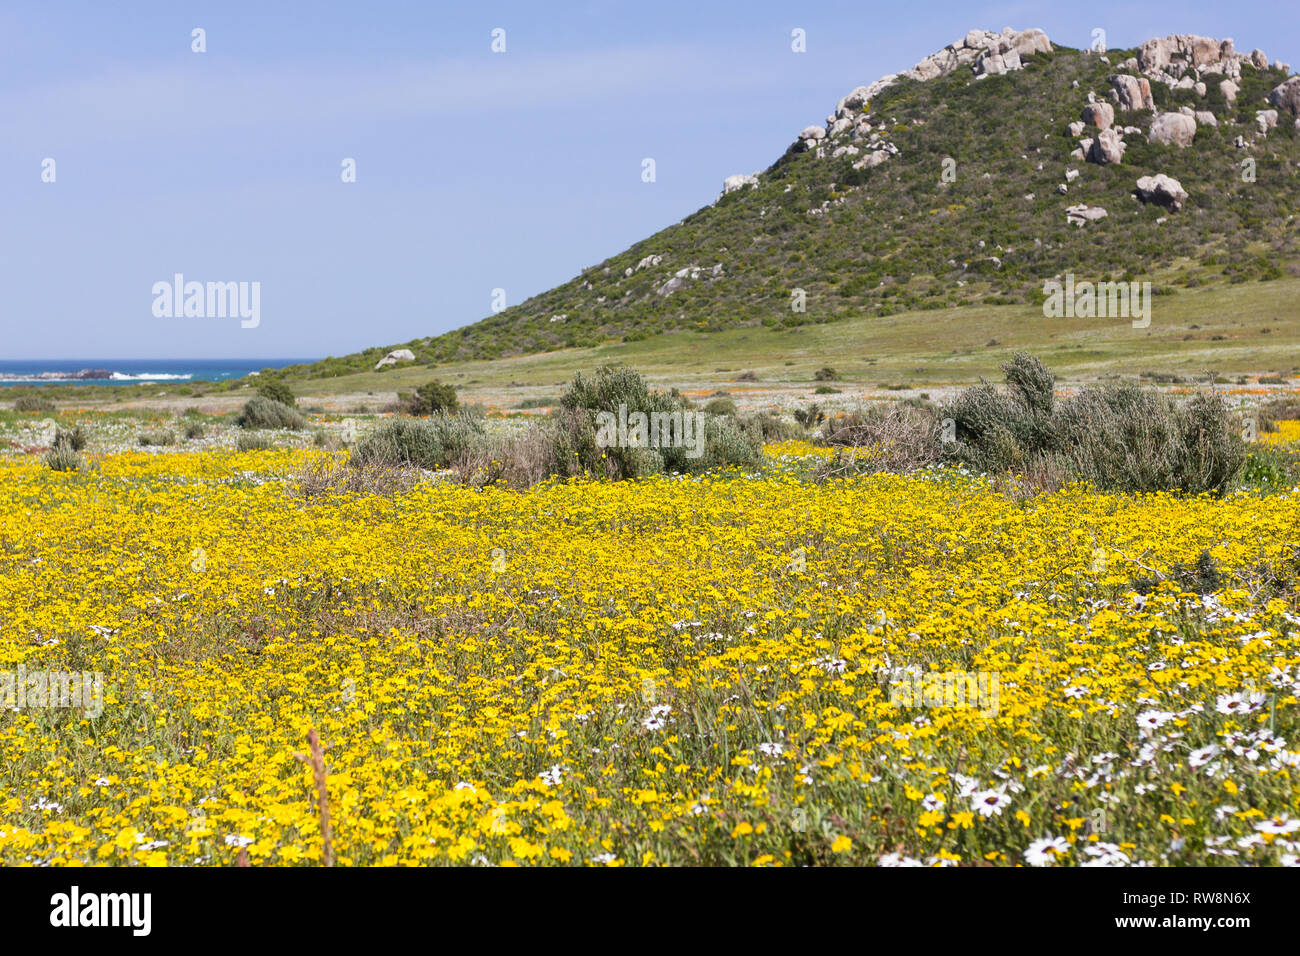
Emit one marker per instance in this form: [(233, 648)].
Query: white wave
[(151, 376)]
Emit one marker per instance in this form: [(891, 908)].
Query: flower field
[(723, 670)]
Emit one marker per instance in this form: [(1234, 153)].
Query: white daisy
[(990, 803), (1046, 851), (1278, 825)]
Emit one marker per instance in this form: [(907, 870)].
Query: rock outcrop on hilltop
[(1181, 61), (848, 131), (1286, 96)]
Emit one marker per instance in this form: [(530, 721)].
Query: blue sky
[(475, 170)]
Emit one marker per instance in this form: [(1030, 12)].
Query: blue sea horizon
[(132, 371)]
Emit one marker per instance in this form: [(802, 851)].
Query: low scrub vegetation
[(159, 437), (569, 442), (253, 442), (277, 391), (33, 403), (62, 458), (1116, 436), (263, 412), (432, 443)]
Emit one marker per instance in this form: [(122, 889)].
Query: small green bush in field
[(433, 442), (277, 391), (615, 388), (159, 437), (263, 412), (62, 458), (433, 397), (1116, 436), (33, 403), (253, 442), (74, 439)]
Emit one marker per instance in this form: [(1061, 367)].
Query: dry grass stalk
[(317, 763)]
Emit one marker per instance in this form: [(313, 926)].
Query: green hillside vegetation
[(894, 238)]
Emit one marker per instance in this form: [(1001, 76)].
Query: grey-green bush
[(33, 403), (1116, 436), (725, 442), (263, 412), (253, 443), (433, 442), (62, 458), (158, 437)]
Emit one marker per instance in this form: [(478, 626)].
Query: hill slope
[(942, 187)]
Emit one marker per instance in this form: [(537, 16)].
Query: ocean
[(132, 371)]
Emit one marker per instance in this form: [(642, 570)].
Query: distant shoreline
[(37, 372)]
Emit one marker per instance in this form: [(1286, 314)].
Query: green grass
[(926, 347)]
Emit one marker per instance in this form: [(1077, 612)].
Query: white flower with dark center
[(897, 859), (1149, 721), (552, 777), (966, 786), (990, 803), (1239, 703), (1046, 851), (1105, 854), (1278, 825), (1201, 756)]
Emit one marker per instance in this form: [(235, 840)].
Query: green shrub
[(254, 442), (721, 406), (770, 428), (433, 442), (33, 403), (612, 388), (1116, 436), (826, 374), (263, 412), (62, 458), (194, 430), (157, 437), (433, 397), (277, 391), (810, 417), (74, 439)]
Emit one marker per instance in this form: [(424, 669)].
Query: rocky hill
[(992, 165)]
